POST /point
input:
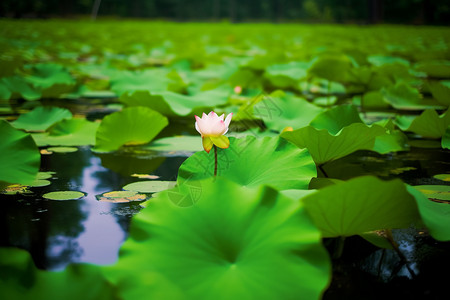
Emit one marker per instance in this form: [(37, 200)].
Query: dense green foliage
[(303, 97)]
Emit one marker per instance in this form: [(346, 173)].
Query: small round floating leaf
[(20, 158), (62, 149), (44, 175), (63, 195), (41, 118), (40, 182), (121, 197), (131, 126), (153, 186)]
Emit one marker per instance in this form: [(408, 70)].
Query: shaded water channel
[(58, 233)]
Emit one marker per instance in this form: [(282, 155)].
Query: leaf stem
[(215, 160)]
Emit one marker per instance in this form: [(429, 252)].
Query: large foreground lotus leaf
[(360, 205), (336, 118), (20, 158), (233, 243), (404, 96), (131, 126), (325, 147), (174, 104), (51, 79), (21, 280), (436, 216), (280, 111), (429, 124), (41, 118), (250, 161), (71, 132)]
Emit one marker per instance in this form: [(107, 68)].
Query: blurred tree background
[(420, 12)]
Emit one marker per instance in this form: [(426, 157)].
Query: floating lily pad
[(64, 195), (20, 158), (121, 197), (267, 234), (436, 68), (443, 177), (435, 192), (131, 126), (73, 132), (41, 118), (325, 147), (145, 176), (16, 87), (44, 175), (429, 124), (40, 183), (252, 161), (436, 216), (62, 149), (360, 205), (14, 189), (152, 186), (51, 79)]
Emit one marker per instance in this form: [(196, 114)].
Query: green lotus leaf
[(374, 99), (41, 118), (252, 161), (429, 124), (331, 67), (131, 126), (69, 132), (64, 195), (443, 177), (282, 110), (174, 104), (176, 144), (62, 149), (51, 79), (149, 186), (5, 93), (435, 215), (336, 118), (361, 204), (441, 91), (234, 243), (285, 75), (15, 87), (379, 60), (437, 69), (325, 147), (392, 141), (445, 142), (152, 80), (21, 280), (404, 96), (121, 197), (435, 192), (20, 158)]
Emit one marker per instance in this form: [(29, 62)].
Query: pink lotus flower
[(212, 128)]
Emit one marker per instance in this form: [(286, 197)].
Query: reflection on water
[(61, 232)]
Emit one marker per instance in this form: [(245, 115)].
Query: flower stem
[(215, 160)]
